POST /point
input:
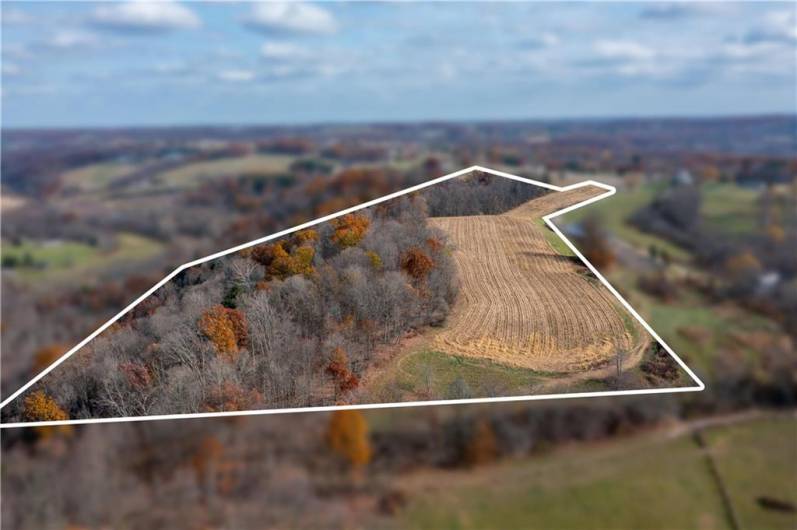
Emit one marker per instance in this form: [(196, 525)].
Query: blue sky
[(137, 63)]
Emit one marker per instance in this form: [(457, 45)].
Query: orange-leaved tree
[(305, 236), (226, 329), (299, 261), (350, 229), (416, 263), (348, 436), (47, 355), (41, 407), (482, 446), (338, 368), (287, 258)]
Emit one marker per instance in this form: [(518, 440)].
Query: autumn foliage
[(482, 446), (47, 355), (41, 407), (226, 329), (229, 396), (137, 375), (434, 244), (298, 261), (375, 259), (350, 229), (416, 263), (595, 244), (305, 236), (338, 369), (348, 436), (288, 258), (743, 263)]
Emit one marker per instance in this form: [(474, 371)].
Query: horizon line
[(597, 118)]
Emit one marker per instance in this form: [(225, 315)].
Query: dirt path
[(523, 304), (630, 360)]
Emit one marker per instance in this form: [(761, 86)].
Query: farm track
[(523, 304)]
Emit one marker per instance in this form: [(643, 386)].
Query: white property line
[(610, 190)]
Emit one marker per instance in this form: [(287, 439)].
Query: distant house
[(767, 281), (682, 178)]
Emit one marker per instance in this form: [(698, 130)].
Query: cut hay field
[(523, 303)]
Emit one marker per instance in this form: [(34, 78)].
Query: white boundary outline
[(610, 190)]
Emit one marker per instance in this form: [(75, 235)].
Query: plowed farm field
[(523, 304)]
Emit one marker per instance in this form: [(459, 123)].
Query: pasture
[(630, 483)]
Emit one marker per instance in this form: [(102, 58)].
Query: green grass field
[(730, 209), (193, 174), (690, 310), (95, 177), (631, 484), (556, 242), (58, 260), (614, 211), (431, 374), (649, 482), (758, 459)]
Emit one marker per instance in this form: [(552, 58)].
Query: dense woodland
[(482, 194), (286, 323)]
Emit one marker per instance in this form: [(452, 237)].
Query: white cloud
[(291, 18), (147, 17), (284, 51), (778, 26), (236, 76), (745, 50), (68, 40), (15, 17), (623, 50), (15, 50), (11, 69)]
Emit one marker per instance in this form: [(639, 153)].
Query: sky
[(70, 64)]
